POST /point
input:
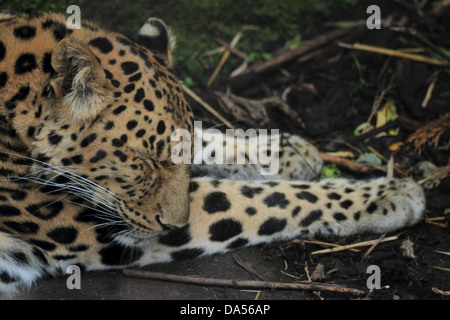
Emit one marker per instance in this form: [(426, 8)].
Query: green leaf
[(294, 43), (266, 56), (188, 81), (388, 113), (370, 158), (359, 129), (346, 23), (362, 82), (252, 57), (330, 171), (441, 268)]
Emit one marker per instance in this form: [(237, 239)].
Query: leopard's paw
[(390, 205), (299, 159)]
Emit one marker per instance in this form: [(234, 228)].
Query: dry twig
[(376, 243), (441, 292), (355, 245), (387, 126), (253, 112), (379, 155), (377, 102), (429, 93), (247, 267), (320, 243), (225, 56), (194, 96), (301, 285), (302, 49), (232, 49), (394, 53), (430, 133), (345, 163), (435, 221), (422, 39)]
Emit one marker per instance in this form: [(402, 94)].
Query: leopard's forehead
[(135, 74), (148, 100), (139, 78)]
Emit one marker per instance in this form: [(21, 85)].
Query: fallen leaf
[(387, 113), (395, 146), (408, 249)]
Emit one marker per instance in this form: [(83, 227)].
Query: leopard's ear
[(158, 38), (80, 79)]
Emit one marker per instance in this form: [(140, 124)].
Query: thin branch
[(194, 96), (422, 39), (345, 163), (379, 155), (355, 245), (395, 53), (320, 243), (224, 59), (302, 49), (301, 285), (247, 267), (387, 126), (373, 246), (233, 50)]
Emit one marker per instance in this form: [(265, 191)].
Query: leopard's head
[(108, 113)]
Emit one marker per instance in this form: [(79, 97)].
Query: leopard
[(87, 117)]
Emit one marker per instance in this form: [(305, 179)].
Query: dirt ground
[(333, 91), (401, 277)]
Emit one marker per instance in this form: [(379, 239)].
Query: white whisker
[(103, 200), (70, 175)]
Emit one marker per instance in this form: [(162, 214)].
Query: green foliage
[(330, 171), (33, 6), (370, 158), (362, 82), (264, 23), (197, 23)]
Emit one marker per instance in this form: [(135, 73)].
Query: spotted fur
[(86, 118)]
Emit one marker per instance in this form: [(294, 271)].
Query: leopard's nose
[(165, 226)]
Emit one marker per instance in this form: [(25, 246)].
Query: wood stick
[(354, 245), (395, 53), (247, 267), (379, 155), (321, 243), (373, 246), (194, 96), (301, 285), (422, 39), (224, 59), (429, 93), (409, 124), (233, 50), (302, 49), (348, 164)]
